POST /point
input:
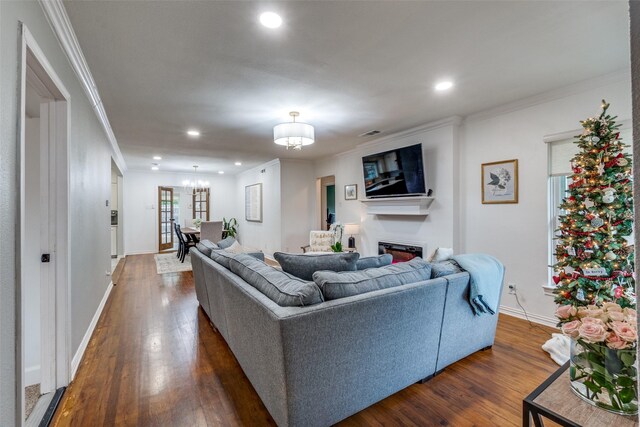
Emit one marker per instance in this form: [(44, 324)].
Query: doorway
[(43, 261), (327, 212), (165, 218)]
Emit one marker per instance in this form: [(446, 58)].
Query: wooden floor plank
[(154, 360)]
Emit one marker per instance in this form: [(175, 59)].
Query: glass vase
[(605, 377)]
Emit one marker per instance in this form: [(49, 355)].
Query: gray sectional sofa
[(315, 365)]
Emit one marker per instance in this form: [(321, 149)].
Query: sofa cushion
[(222, 257), (304, 265), (226, 242), (206, 246), (280, 287), (336, 285), (444, 268), (374, 261)]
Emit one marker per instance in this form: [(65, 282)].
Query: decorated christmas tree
[(594, 259), (594, 272)]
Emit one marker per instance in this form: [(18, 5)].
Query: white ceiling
[(347, 66)]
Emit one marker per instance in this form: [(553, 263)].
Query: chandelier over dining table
[(194, 185)]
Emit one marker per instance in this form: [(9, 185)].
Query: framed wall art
[(351, 192), (500, 182), (253, 202)]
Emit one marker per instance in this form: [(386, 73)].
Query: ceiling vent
[(370, 133)]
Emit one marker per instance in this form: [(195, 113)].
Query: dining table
[(191, 233)]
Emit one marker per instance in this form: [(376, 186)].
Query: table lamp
[(351, 230)]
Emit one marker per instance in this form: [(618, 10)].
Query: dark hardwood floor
[(155, 360)]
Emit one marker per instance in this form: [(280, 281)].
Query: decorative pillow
[(206, 246), (304, 265), (222, 257), (441, 254), (226, 242), (280, 287), (345, 284), (444, 268), (235, 248), (374, 261)]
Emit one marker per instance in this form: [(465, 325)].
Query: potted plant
[(229, 228)]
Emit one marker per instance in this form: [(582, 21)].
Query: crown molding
[(453, 121), (449, 121), (59, 20), (259, 167), (555, 94)]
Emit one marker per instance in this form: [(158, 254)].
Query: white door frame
[(55, 322)]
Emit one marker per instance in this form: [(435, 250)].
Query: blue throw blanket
[(485, 284)]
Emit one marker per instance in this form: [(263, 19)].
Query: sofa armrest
[(463, 333)]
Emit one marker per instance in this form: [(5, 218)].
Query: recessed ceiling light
[(154, 168), (193, 132), (270, 20), (238, 163), (157, 158), (444, 85), (221, 172)]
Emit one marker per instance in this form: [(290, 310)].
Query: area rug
[(169, 263), (31, 396)]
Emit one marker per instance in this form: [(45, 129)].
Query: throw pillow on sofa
[(280, 287), (222, 257), (303, 266), (206, 246), (444, 268), (374, 261), (226, 242), (344, 284)]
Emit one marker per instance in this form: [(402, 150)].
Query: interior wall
[(89, 162), (516, 234), (298, 203), (140, 196), (265, 235), (31, 286), (439, 146)]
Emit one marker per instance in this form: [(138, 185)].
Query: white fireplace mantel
[(412, 205)]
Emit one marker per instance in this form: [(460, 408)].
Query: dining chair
[(184, 243), (211, 230), (176, 228)]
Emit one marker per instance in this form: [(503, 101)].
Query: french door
[(165, 218)]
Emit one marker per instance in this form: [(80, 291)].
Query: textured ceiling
[(349, 67)]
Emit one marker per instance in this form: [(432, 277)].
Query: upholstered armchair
[(319, 241)]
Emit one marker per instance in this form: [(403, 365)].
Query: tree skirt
[(169, 263)]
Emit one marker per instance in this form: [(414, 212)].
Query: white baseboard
[(536, 318), (32, 375), (140, 253), (77, 358)]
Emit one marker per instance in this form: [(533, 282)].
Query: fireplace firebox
[(399, 252)]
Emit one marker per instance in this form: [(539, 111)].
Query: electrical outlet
[(512, 288)]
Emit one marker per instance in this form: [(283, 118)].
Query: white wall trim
[(552, 95), (560, 136), (140, 253), (448, 121), (59, 20), (260, 167), (536, 318), (77, 358), (32, 375)]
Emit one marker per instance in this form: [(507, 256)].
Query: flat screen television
[(394, 173)]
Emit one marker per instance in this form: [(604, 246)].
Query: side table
[(555, 400)]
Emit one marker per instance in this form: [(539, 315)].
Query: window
[(561, 151), (201, 204)]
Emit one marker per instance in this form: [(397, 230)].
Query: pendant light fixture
[(293, 134), (195, 185)]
